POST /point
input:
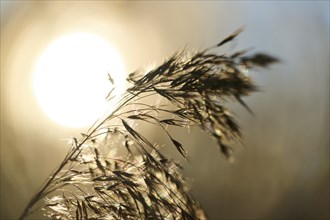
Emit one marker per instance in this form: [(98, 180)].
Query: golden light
[(71, 78)]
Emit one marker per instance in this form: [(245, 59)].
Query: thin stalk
[(195, 88), (43, 191)]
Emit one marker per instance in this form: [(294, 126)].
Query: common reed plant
[(114, 171)]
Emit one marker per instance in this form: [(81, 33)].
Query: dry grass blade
[(259, 59), (97, 180), (231, 37)]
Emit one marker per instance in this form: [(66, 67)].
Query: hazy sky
[(282, 173)]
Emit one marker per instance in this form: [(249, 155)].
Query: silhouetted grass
[(94, 181)]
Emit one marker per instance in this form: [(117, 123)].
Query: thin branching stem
[(97, 181)]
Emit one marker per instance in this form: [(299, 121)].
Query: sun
[(70, 79)]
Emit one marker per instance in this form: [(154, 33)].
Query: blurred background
[(282, 171)]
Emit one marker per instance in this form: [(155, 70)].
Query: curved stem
[(43, 190)]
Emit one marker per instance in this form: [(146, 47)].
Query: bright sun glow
[(71, 78)]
